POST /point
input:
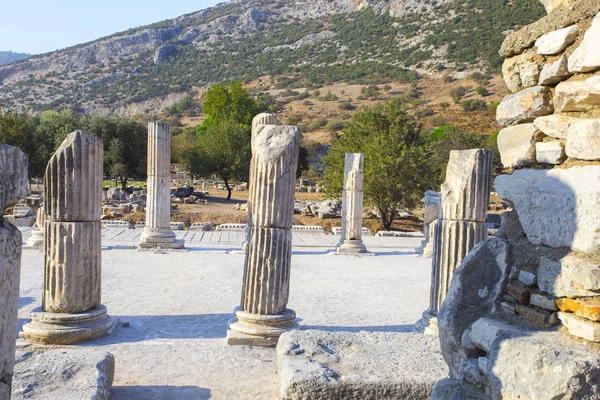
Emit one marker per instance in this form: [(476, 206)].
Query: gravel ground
[(177, 306)]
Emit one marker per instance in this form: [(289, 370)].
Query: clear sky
[(40, 26)]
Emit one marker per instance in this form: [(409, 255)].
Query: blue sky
[(40, 26)]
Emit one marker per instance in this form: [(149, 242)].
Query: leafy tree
[(395, 171), (223, 149), (482, 91), (230, 103), (458, 93)]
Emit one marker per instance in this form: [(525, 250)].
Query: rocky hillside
[(10, 56), (299, 43)]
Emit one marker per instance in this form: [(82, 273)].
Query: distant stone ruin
[(352, 205), (522, 318)]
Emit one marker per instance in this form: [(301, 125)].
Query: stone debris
[(580, 327), (517, 145), (543, 301), (588, 308), (319, 365), (535, 317)]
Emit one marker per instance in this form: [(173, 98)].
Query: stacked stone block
[(549, 274), (13, 187), (71, 304), (263, 314)]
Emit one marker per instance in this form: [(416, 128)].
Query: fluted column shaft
[(158, 206), (352, 201)]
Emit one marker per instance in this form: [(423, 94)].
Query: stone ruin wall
[(522, 316)]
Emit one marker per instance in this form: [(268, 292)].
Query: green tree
[(223, 149), (395, 169), (230, 102)]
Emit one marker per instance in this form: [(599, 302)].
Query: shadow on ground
[(160, 393), (355, 329)]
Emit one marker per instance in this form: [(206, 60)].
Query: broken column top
[(264, 119), (353, 175), (73, 180), (466, 191), (13, 175)]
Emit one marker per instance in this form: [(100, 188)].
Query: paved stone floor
[(178, 304)]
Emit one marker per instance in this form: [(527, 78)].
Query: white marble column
[(430, 216), (158, 232), (352, 206), (465, 199), (37, 238), (263, 314), (13, 187), (72, 310)]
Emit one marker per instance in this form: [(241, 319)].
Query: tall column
[(71, 304), (158, 232), (465, 199), (13, 187), (262, 316), (352, 206)]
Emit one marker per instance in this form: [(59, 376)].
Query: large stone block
[(525, 106), (13, 175), (73, 180), (475, 292), (521, 72), (556, 41), (549, 152), (554, 125), (578, 95), (580, 327), (320, 365), (586, 57), (557, 207), (517, 145), (569, 277), (432, 206), (583, 140), (555, 72)]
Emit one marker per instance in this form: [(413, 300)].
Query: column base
[(352, 247), (36, 240), (163, 238), (58, 328), (259, 330), (428, 324)]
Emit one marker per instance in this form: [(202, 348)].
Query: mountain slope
[(305, 43), (10, 56)]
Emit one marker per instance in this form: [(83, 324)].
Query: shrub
[(457, 93), (294, 119), (346, 106), (444, 105), (474, 105), (335, 125), (481, 91)]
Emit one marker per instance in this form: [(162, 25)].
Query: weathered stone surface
[(517, 145), (554, 125), (485, 331), (550, 152), (525, 106), (569, 277), (549, 366), (465, 193), (533, 316), (552, 5), (556, 207), (588, 308), (578, 95), (13, 175), (433, 202), (562, 17), (527, 278), (586, 57), (519, 292), (521, 72), (543, 301), (556, 41), (553, 73), (352, 205), (158, 232), (580, 327), (72, 172), (263, 315), (447, 389), (64, 374), (324, 365), (474, 293), (583, 140)]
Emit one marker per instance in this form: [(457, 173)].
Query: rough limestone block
[(521, 72), (320, 365), (542, 365), (517, 145), (13, 175), (583, 140), (557, 207), (73, 191), (580, 327), (527, 278), (448, 389), (534, 317), (64, 374), (550, 152), (553, 73), (525, 106), (586, 57), (552, 5), (475, 292), (543, 301), (569, 277), (432, 206), (485, 331), (556, 41), (588, 308), (554, 125), (465, 193), (578, 95)]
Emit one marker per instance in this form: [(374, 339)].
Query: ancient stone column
[(262, 316), (37, 238), (72, 310), (158, 232), (352, 206), (260, 119), (13, 187), (430, 216), (465, 199)]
